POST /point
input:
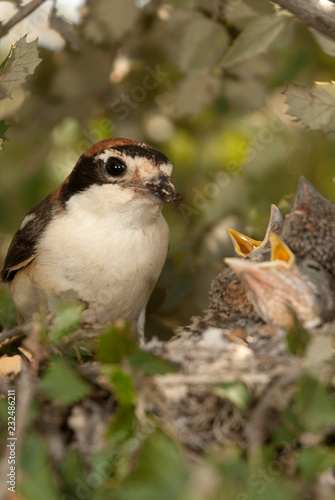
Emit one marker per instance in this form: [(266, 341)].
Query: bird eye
[(115, 167), (312, 264)]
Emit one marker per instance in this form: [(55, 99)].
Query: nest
[(190, 404)]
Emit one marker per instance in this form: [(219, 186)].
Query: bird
[(101, 234), (309, 229), (227, 294), (287, 284), (230, 309)]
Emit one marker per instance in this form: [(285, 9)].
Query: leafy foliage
[(3, 129), (297, 338), (21, 62), (123, 386), (202, 43), (313, 462), (116, 344), (67, 317), (149, 479), (62, 383), (150, 364), (313, 106), (139, 458), (314, 404), (8, 314), (37, 478), (237, 392), (254, 39)]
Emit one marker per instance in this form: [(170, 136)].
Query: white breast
[(110, 253)]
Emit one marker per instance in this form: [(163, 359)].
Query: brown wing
[(22, 249)]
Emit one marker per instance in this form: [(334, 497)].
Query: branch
[(14, 332), (318, 14), (21, 14)]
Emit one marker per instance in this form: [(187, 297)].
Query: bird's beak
[(264, 277), (243, 245), (160, 189), (280, 252)]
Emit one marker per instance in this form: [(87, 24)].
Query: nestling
[(285, 284), (101, 234), (227, 294)]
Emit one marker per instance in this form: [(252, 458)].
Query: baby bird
[(227, 293), (101, 234), (285, 284)]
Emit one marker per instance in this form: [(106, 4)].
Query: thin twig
[(314, 13), (18, 330), (21, 14), (25, 394)]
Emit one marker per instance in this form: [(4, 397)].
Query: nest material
[(207, 356)]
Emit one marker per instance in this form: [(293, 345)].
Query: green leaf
[(8, 313), (265, 485), (260, 6), (21, 63), (314, 404), (3, 418), (72, 471), (116, 343), (160, 472), (62, 383), (237, 392), (67, 318), (314, 106), (327, 44), (297, 338), (37, 482), (194, 93), (124, 437), (123, 385), (5, 61), (284, 435), (291, 427), (203, 43), (312, 462), (234, 468), (124, 423), (160, 449), (255, 39), (3, 129), (148, 363)]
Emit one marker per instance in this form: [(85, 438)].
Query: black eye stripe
[(115, 167), (143, 151)]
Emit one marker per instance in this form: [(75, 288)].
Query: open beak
[(243, 245)]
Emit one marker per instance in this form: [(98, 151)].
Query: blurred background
[(164, 72)]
